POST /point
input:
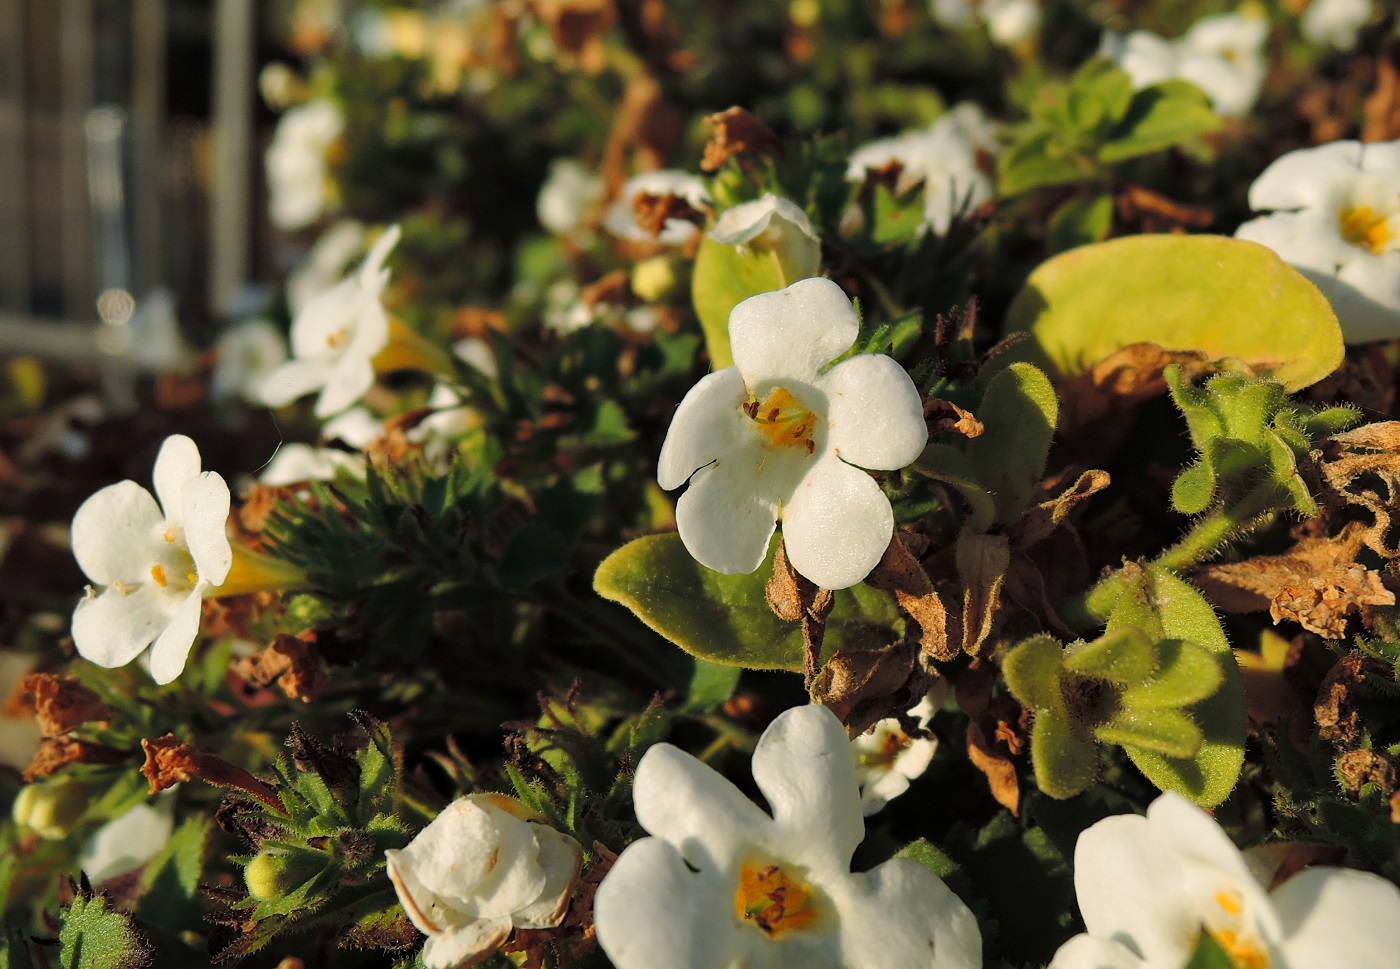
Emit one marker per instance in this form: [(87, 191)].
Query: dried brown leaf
[(1381, 109), (1322, 602), (982, 564), (737, 132), (899, 572), (171, 761), (1040, 520), (1334, 710), (998, 768), (292, 662), (62, 704), (1098, 399), (784, 590), (56, 753), (1152, 212), (1358, 767), (864, 687), (944, 415)]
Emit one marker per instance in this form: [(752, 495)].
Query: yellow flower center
[(158, 573), (782, 420), (1244, 952), (772, 900), (894, 743), (338, 338), (1362, 227)]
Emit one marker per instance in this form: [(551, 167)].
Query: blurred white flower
[(773, 224), (1336, 22), (943, 158), (621, 219), (721, 883), (1337, 221), (154, 563), (1008, 21), (336, 337), (444, 427), (19, 731), (296, 163), (126, 843), (566, 196), (1222, 55), (325, 264), (297, 463), (887, 758), (775, 436), (247, 353), (1148, 887), (481, 869)]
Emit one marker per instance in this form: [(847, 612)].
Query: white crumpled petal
[(293, 380), (707, 424), (622, 222), (744, 223), (803, 766), (788, 336), (172, 646), (176, 462), (1307, 178), (205, 500), (874, 413), (348, 380), (566, 195), (296, 463), (837, 525), (111, 629), (109, 525), (560, 859), (466, 943), (691, 807)]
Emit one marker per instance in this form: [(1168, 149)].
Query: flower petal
[(724, 521), (372, 275), (205, 503), (875, 418), (692, 807), (323, 323), (706, 425), (127, 842), (172, 647), (806, 770), (1306, 240), (112, 629), (1308, 178), (1087, 952), (791, 334), (346, 383), (513, 879), (177, 462), (901, 916), (294, 379), (1339, 917), (560, 859), (1366, 297), (837, 524), (466, 943), (651, 910), (111, 528), (453, 854)]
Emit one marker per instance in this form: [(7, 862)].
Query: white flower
[(296, 463), (1339, 225), (154, 563), (776, 437), (1149, 886), (1008, 21), (335, 338), (479, 870), (772, 224), (722, 884), (567, 194), (450, 420), (296, 163), (247, 353), (325, 264), (887, 758), (1336, 22), (621, 219), (1222, 55), (943, 157), (126, 843)]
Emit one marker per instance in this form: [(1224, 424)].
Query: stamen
[(1363, 227), (1229, 901), (782, 420), (772, 900), (158, 573)]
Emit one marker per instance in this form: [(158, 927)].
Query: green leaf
[(1032, 672), (1079, 222), (727, 275), (1224, 297), (1039, 161), (1124, 657), (711, 685), (1159, 117), (171, 880), (1167, 608), (93, 936), (951, 465), (1194, 489), (1166, 732), (927, 854), (726, 619), (1187, 674), (1209, 955), (1064, 762), (1019, 411)]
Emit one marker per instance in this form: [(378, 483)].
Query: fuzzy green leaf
[(1124, 657), (171, 880), (726, 275), (1166, 732), (1064, 762), (950, 465), (1187, 674), (1194, 489), (1037, 161), (1225, 297), (726, 619), (1159, 117), (1019, 410), (1079, 222), (94, 936), (1032, 670)]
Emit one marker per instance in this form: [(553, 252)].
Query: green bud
[(655, 279), (50, 810), (272, 873)]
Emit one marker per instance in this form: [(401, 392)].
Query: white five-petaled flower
[(336, 337), (1337, 221), (775, 225), (722, 883), (1008, 21), (325, 264), (296, 463), (1336, 22), (296, 163), (1222, 55), (777, 437), (248, 352), (153, 562), (888, 758), (621, 217), (481, 869), (943, 157), (1148, 887)]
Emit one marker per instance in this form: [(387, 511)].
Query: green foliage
[(1020, 412), (95, 935), (1080, 128), (726, 619), (727, 275), (1222, 297)]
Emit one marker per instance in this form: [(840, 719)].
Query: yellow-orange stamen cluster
[(1244, 953), (1362, 227), (773, 901), (782, 420), (158, 573)]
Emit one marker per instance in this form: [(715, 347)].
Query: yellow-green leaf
[(727, 275), (1225, 297)]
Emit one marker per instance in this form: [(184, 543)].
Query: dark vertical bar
[(14, 163)]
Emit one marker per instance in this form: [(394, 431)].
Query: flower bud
[(272, 874), (654, 279), (49, 810)]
